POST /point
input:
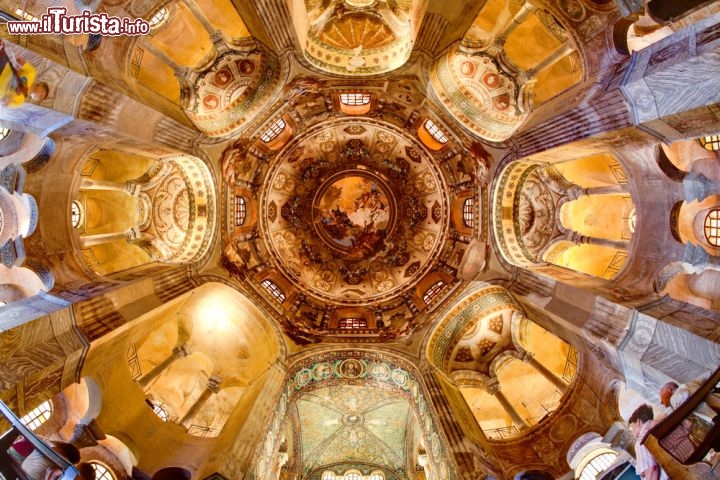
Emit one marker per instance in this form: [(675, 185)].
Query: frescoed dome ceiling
[(360, 37), (354, 212), (353, 217), (234, 89), (352, 424), (478, 94)]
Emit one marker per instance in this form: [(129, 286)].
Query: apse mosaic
[(347, 402)]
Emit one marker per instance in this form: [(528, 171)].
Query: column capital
[(214, 383), (492, 386), (181, 351)]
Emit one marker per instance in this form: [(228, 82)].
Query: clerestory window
[(38, 415), (273, 131), (355, 99), (433, 291), (240, 211), (469, 212), (352, 323), (435, 131), (712, 227), (274, 290)]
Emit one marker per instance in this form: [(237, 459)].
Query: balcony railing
[(676, 433), (9, 468), (502, 433)]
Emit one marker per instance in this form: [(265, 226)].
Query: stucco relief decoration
[(355, 37), (235, 89), (355, 215), (467, 337), (525, 232), (182, 205), (476, 93), (360, 421)]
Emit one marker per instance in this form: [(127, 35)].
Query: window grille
[(25, 16), (240, 211), (435, 131), (712, 227), (4, 132), (274, 290), (75, 214), (711, 142), (38, 415), (352, 323), (597, 465), (273, 131), (354, 99), (101, 471), (433, 291), (469, 212), (160, 17)]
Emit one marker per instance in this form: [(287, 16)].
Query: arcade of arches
[(362, 239)]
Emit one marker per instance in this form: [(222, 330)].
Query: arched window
[(75, 214), (469, 212), (597, 465), (328, 476), (353, 476), (273, 131), (160, 17), (352, 323), (711, 142), (160, 412), (240, 211), (712, 227), (274, 290), (38, 415), (433, 291), (377, 476), (355, 99), (4, 132), (102, 472), (435, 131)]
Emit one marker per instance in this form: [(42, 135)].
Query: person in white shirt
[(646, 466)]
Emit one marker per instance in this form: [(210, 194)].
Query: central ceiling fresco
[(354, 212)]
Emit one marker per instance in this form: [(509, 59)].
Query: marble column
[(91, 240), (562, 51), (200, 16), (558, 382), (520, 16), (212, 388), (92, 184), (667, 90), (577, 192), (580, 239), (518, 421), (463, 453), (177, 353)]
